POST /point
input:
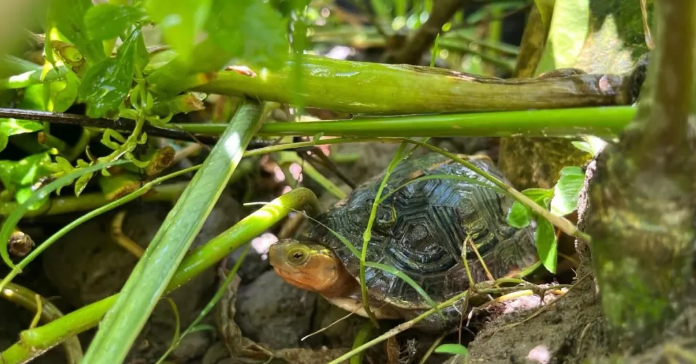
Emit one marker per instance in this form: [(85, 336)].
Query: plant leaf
[(454, 349), (69, 17), (249, 29), (519, 215), (181, 21), (108, 21), (107, 83), (546, 244), (570, 25), (584, 146), (541, 196), (9, 127), (567, 191)]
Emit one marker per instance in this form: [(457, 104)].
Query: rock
[(274, 313)]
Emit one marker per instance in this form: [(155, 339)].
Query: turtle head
[(307, 265)]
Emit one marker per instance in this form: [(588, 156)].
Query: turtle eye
[(297, 256)]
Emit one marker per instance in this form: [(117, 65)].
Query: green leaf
[(249, 29), (69, 17), (6, 168), (570, 25), (584, 146), (546, 244), (16, 215), (181, 22), (60, 95), (9, 127), (519, 215), (107, 83), (567, 191), (454, 349), (30, 169), (108, 21), (541, 196)]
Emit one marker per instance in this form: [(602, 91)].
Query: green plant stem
[(602, 122), (49, 312), (34, 341), (342, 86), (64, 205), (168, 192), (15, 215), (156, 267), (88, 216)]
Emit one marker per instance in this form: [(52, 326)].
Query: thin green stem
[(599, 121), (69, 204), (86, 217), (49, 312)]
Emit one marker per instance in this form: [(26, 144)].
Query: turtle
[(420, 229)]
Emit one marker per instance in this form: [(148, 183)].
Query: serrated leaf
[(107, 83), (68, 16), (251, 30), (181, 22), (108, 21), (454, 349), (519, 216), (546, 245), (567, 191)]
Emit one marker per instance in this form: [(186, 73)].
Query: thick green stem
[(400, 89), (642, 195), (34, 341), (602, 122)]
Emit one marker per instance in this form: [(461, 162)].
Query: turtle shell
[(421, 228)]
